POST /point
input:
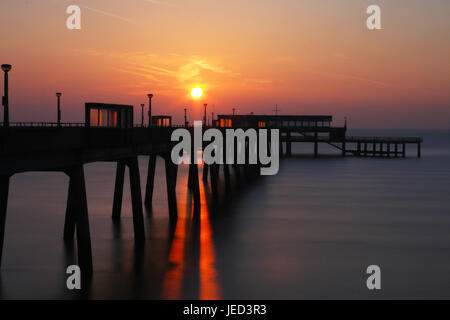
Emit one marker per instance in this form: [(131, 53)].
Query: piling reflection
[(191, 270), (209, 284)]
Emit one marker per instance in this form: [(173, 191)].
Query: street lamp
[(185, 117), (58, 115), (150, 96), (5, 101), (142, 114), (204, 115)]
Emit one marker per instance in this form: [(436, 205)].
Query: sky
[(306, 56)]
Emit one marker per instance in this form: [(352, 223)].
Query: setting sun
[(196, 92)]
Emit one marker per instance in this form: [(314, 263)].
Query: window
[(93, 117), (112, 119), (225, 123)]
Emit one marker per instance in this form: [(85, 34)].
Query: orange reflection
[(172, 284), (181, 262), (209, 284)]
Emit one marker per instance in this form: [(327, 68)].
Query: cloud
[(108, 14), (167, 69), (194, 68), (161, 3)]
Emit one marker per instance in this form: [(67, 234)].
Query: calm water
[(309, 232)]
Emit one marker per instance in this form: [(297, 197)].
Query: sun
[(196, 92)]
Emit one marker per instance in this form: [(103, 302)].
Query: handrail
[(44, 124)]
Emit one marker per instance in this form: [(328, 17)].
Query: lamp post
[(150, 96), (142, 114), (58, 114), (234, 109), (185, 117), (204, 115), (5, 101)]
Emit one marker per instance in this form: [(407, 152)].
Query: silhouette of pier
[(66, 147)]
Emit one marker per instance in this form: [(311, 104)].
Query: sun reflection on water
[(192, 251)]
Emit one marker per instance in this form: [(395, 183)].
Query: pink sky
[(309, 57)]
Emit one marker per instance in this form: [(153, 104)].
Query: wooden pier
[(67, 147)]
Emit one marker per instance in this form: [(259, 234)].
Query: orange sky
[(309, 57)]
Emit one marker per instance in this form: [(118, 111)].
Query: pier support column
[(226, 168), (365, 149), (118, 191), (419, 150), (205, 171), (281, 147), (316, 145), (396, 150), (194, 184), (4, 190), (78, 214), (171, 183), (289, 145), (404, 150), (226, 175), (388, 150), (136, 200), (150, 181), (214, 175), (359, 149), (136, 196), (195, 188), (344, 151), (69, 222)]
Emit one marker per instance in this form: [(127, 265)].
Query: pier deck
[(67, 147)]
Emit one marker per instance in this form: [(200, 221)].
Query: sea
[(309, 232)]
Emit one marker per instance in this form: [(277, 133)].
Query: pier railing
[(45, 124)]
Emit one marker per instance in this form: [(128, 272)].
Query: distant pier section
[(319, 129)]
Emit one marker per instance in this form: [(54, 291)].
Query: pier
[(111, 136)]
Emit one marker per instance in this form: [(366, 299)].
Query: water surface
[(309, 232)]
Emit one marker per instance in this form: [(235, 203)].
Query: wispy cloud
[(170, 69), (161, 3), (108, 14)]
